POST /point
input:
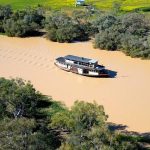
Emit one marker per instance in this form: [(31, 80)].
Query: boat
[(81, 65)]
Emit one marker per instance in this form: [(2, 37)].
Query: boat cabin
[(91, 63)]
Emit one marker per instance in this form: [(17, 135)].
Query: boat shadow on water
[(112, 74)]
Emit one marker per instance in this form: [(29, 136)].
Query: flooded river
[(125, 96)]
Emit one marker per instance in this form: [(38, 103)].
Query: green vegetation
[(58, 4), (21, 23), (127, 5), (128, 32), (22, 4), (63, 28), (30, 120), (23, 117)]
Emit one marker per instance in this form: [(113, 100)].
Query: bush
[(60, 28), (5, 13), (131, 44), (105, 21), (87, 129), (104, 40), (24, 117), (128, 32), (135, 24), (67, 29), (52, 35), (109, 32), (15, 28), (66, 34), (23, 23)]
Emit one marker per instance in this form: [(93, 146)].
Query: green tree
[(5, 13), (83, 24), (24, 23), (128, 32), (105, 21), (24, 117), (135, 24), (63, 28), (17, 133), (60, 28), (84, 127)]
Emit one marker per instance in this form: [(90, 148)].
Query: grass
[(2, 33), (127, 5), (54, 4)]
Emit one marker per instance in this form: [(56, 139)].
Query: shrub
[(104, 40), (60, 28), (135, 24), (15, 28), (105, 21), (5, 13), (23, 23), (67, 29), (128, 32), (24, 117)]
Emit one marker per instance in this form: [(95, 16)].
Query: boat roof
[(80, 59), (98, 67)]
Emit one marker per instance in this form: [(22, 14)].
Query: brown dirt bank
[(126, 98)]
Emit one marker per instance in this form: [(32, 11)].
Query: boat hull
[(75, 70)]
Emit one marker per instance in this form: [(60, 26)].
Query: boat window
[(93, 70)]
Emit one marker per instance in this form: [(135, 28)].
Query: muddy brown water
[(126, 97)]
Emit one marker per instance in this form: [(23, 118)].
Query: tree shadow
[(34, 34), (114, 127), (146, 134)]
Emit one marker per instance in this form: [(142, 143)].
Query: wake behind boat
[(81, 65)]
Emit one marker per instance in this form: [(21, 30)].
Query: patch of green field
[(132, 4), (57, 4), (126, 4), (54, 4)]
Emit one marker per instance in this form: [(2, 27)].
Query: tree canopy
[(128, 32), (24, 117)]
